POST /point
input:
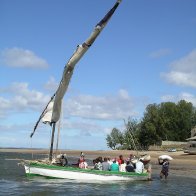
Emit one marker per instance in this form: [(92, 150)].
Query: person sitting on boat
[(120, 160), (165, 168), (139, 167), (131, 156), (114, 166), (63, 160), (83, 164), (122, 166), (98, 163), (81, 159), (109, 161), (105, 164), (130, 167)]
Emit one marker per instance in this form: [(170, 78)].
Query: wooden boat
[(75, 173), (51, 115)]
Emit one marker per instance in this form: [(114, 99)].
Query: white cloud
[(112, 107), (160, 53), (87, 115), (20, 98), (183, 71), (4, 106), (182, 96), (18, 57)]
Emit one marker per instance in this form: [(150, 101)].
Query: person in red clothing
[(120, 160), (81, 159)]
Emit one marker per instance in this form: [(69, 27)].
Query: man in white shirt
[(139, 167)]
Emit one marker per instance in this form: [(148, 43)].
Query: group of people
[(119, 164), (131, 164)]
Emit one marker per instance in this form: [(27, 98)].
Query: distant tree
[(114, 139), (186, 114), (167, 121), (168, 113), (164, 121), (149, 134), (110, 143), (126, 139), (131, 135)]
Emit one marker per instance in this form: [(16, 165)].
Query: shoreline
[(182, 164)]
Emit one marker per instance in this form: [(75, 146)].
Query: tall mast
[(52, 141)]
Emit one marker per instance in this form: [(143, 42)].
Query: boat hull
[(80, 174)]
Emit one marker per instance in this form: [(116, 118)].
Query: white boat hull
[(75, 175)]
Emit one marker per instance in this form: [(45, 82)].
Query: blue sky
[(146, 54)]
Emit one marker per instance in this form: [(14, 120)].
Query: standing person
[(81, 159), (148, 168), (165, 168), (105, 164)]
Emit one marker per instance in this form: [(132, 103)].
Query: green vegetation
[(165, 121)]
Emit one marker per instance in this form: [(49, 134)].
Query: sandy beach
[(182, 163)]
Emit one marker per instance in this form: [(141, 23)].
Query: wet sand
[(182, 164)]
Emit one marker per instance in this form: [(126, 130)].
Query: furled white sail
[(81, 49), (47, 115), (51, 113), (68, 71)]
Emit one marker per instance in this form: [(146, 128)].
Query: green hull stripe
[(90, 171)]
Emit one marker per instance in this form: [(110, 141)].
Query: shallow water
[(14, 182)]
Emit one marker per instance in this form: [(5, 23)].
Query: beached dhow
[(51, 115)]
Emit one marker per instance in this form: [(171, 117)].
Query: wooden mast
[(52, 141)]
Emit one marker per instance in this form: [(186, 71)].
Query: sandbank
[(182, 163)]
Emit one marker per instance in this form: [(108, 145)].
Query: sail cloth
[(51, 113)]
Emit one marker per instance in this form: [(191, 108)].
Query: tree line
[(165, 121)]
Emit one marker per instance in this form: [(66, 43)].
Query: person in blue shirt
[(114, 166)]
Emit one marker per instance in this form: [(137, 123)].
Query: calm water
[(14, 182)]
